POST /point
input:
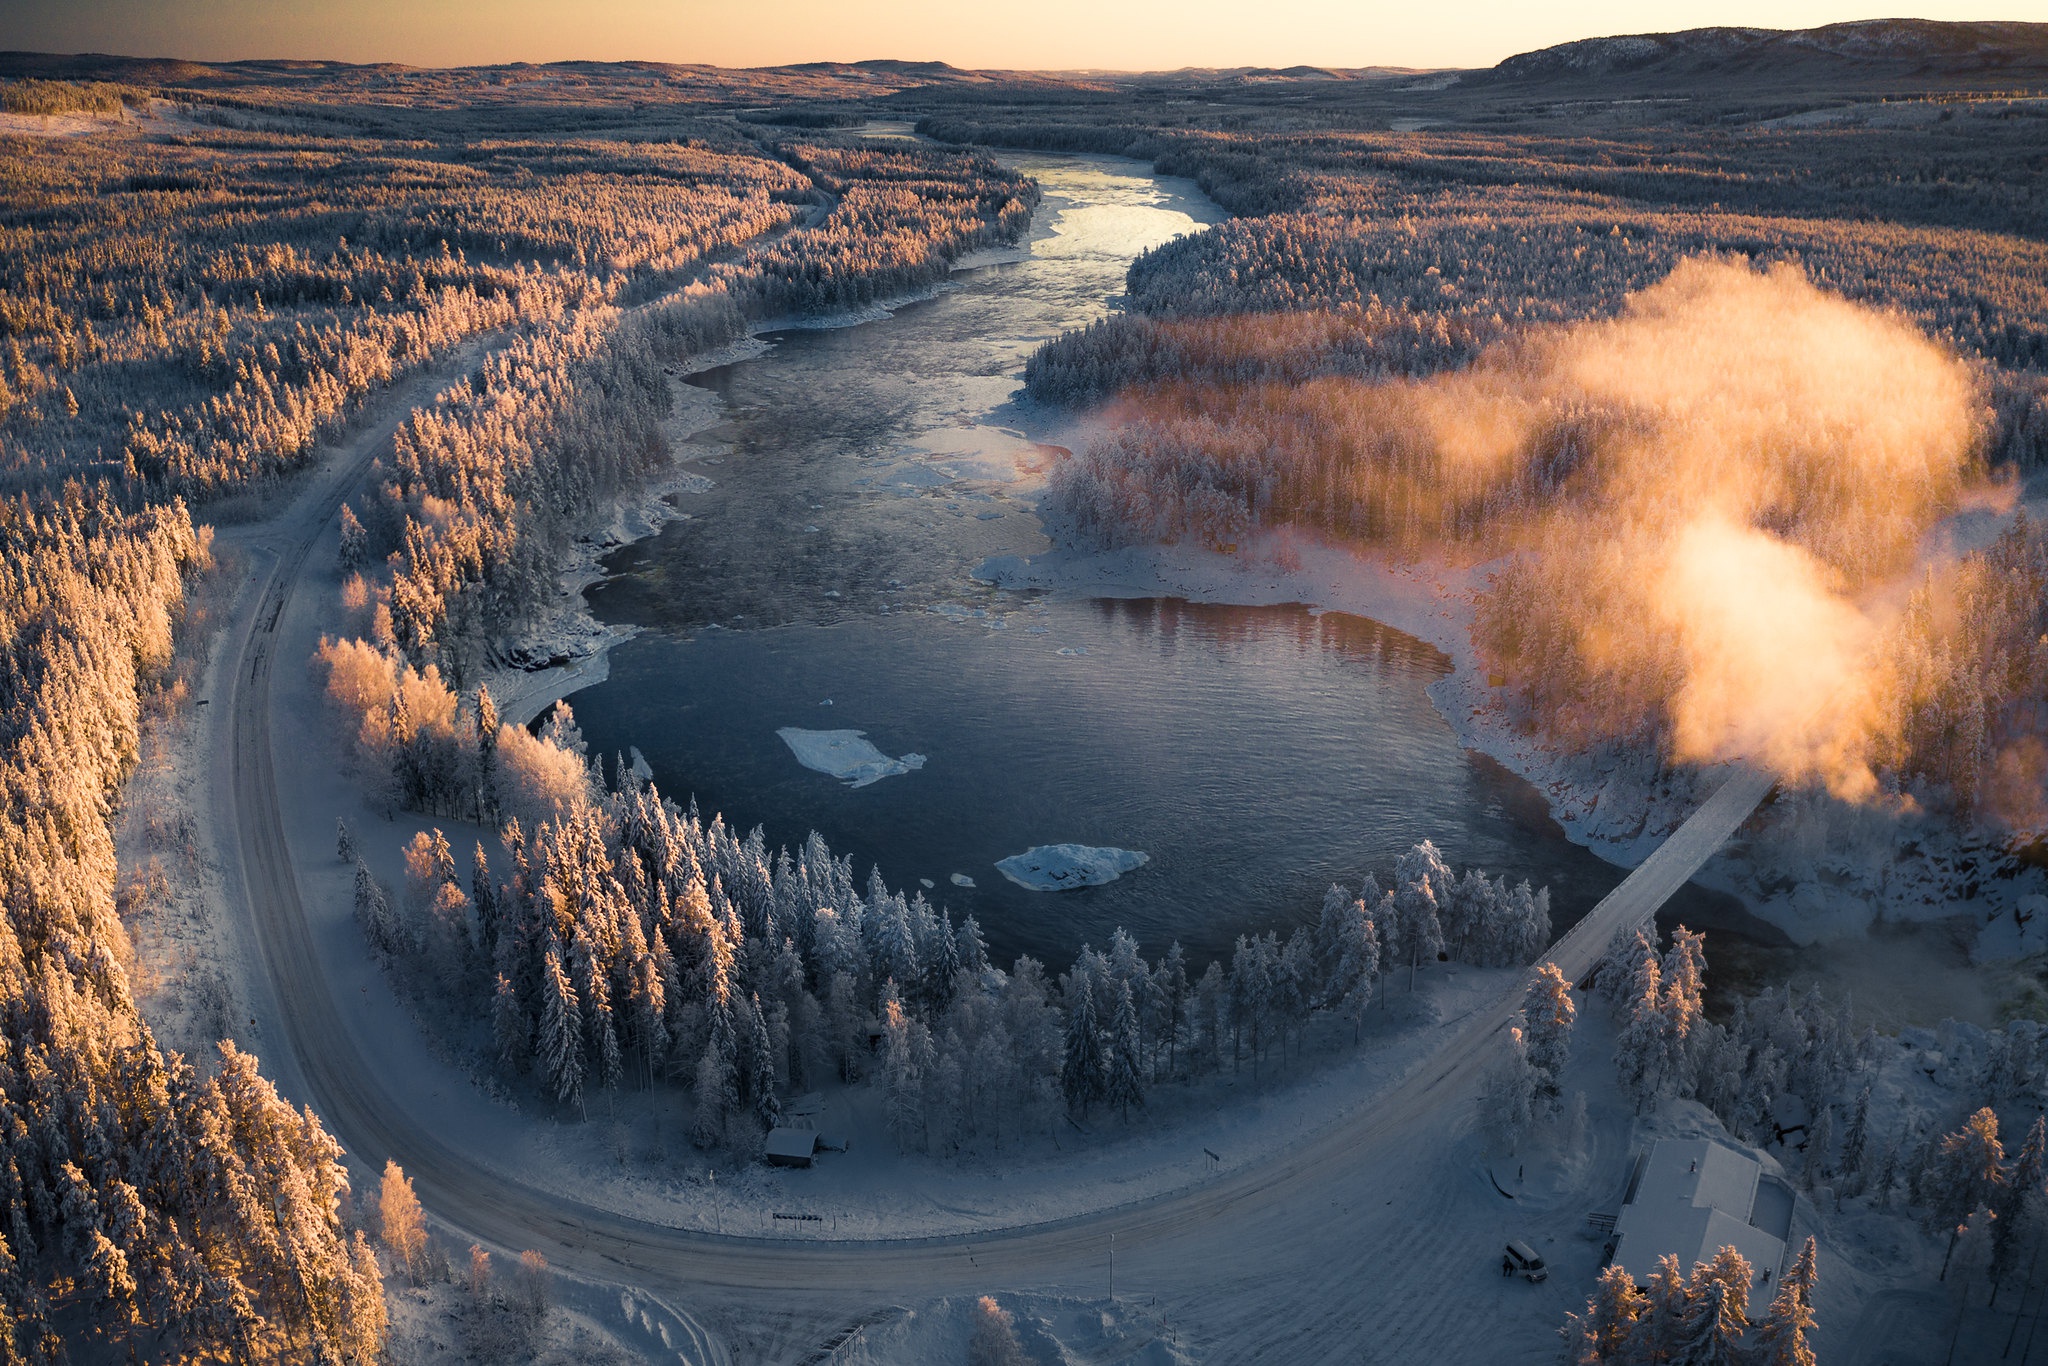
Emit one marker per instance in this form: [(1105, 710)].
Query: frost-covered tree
[(1964, 1171), (1641, 1050), (1548, 1014), (1422, 881), (1709, 1331), (1607, 1331), (1820, 1142), (401, 1223), (1123, 1083), (1507, 1101), (1357, 975), (903, 1078), (1780, 1340), (1856, 1142), (1081, 1074), (560, 1041)]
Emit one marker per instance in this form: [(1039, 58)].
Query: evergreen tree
[(1123, 1086), (1082, 1074), (1820, 1142), (903, 1100), (1709, 1331), (1856, 1142), (560, 1042), (760, 1084), (1966, 1171), (1781, 1338), (1639, 1051), (1548, 1013), (1603, 1334), (486, 755), (354, 542), (1421, 882)]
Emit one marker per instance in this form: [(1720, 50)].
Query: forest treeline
[(186, 310), (631, 943), (144, 1207)]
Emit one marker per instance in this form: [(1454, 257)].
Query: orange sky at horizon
[(1054, 35)]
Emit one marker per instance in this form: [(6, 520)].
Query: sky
[(1045, 34)]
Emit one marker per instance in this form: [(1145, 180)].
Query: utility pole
[(717, 1210), (1112, 1268)]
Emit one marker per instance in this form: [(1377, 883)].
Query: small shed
[(792, 1147)]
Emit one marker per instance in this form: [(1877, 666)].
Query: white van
[(1521, 1260)]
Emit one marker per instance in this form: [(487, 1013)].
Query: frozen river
[(822, 583)]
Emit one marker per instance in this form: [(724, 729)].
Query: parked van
[(1521, 1260)]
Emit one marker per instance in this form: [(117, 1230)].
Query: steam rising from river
[(1757, 460)]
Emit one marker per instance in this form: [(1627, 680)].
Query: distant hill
[(1913, 51)]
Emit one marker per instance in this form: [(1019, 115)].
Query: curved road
[(807, 1283), (610, 1247)]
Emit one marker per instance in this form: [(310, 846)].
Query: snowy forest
[(1400, 340), (632, 943), (187, 313)]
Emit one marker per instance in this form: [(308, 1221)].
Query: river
[(822, 581)]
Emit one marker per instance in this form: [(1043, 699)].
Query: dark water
[(1256, 754), (859, 475)]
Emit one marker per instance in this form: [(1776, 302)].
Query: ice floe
[(846, 755), (1063, 867)]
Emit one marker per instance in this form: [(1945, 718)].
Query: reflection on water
[(1257, 754)]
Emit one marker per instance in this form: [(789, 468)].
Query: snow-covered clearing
[(846, 755)]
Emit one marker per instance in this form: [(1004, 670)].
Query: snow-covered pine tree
[(1639, 1050), (355, 542), (1358, 965), (1123, 1086), (1421, 880), (559, 1044), (1081, 1074), (1171, 976), (971, 946), (758, 1089), (1820, 1144), (1606, 1331), (1548, 1014), (903, 1080), (1709, 1333), (1965, 1171), (1780, 1340), (485, 776), (1507, 1101), (1337, 900), (373, 913), (511, 1032), (1856, 1143)]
